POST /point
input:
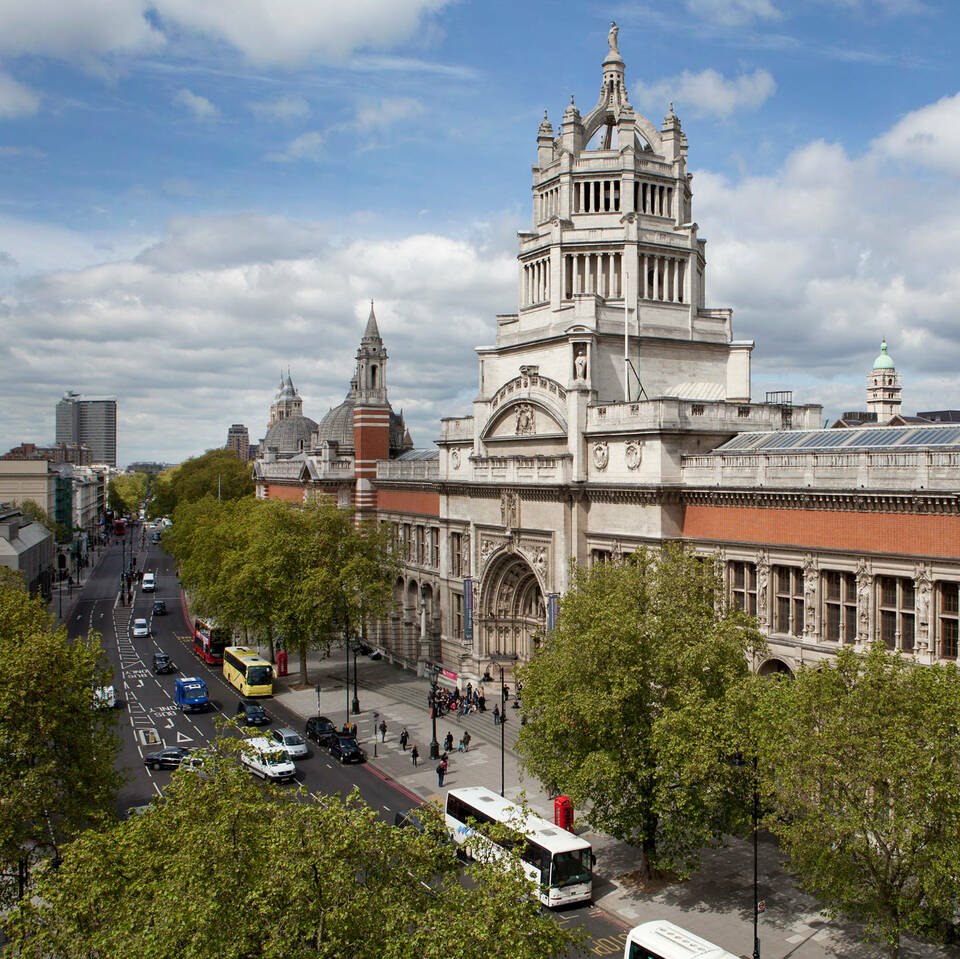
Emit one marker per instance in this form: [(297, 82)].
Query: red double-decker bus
[(210, 640), (119, 527)]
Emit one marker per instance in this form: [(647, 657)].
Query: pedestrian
[(460, 746), (404, 736), (448, 742), (414, 754), (466, 741), (496, 715), (383, 730), (441, 772), (469, 690), (506, 692), (482, 703)]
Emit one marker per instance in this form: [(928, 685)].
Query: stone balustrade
[(423, 471)]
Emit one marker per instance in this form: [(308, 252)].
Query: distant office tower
[(90, 422), (238, 440)]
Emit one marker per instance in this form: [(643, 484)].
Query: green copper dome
[(883, 361)]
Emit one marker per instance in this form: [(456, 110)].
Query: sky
[(194, 196)]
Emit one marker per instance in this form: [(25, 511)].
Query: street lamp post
[(488, 678), (356, 700), (739, 763), (346, 650), (434, 744)]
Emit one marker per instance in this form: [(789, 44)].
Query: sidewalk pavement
[(717, 902)]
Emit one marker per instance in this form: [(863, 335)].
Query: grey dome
[(337, 426), (290, 435)]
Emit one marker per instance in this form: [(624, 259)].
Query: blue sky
[(194, 195)]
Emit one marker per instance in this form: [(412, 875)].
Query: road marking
[(149, 737), (181, 738)]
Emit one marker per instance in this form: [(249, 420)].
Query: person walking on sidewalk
[(414, 754), (448, 742), (441, 772), (464, 742), (496, 715), (404, 736), (383, 730)]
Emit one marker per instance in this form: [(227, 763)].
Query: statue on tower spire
[(612, 38)]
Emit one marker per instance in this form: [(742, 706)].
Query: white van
[(663, 940), (149, 583), (267, 760)]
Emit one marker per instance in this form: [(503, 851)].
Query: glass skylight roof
[(859, 439)]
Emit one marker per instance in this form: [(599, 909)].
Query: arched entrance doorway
[(512, 610), (775, 667)]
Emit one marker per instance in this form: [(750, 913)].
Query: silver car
[(140, 629), (291, 741)]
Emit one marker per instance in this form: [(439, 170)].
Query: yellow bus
[(244, 669)]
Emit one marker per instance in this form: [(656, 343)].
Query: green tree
[(216, 473), (228, 867), (640, 645), (863, 755), (127, 492), (34, 510), (57, 773)]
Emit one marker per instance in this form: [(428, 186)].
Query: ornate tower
[(287, 402), (371, 415), (883, 387)]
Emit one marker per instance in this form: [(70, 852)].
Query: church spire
[(372, 331)]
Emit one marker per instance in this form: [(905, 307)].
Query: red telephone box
[(281, 663), (563, 812)]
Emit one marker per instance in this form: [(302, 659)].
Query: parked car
[(159, 608), (162, 663), (167, 758), (251, 714), (290, 740), (320, 730), (140, 629), (346, 750)]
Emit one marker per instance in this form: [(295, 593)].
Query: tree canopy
[(127, 492), (57, 773), (36, 512), (862, 759), (300, 574), (225, 866), (218, 473), (641, 648)]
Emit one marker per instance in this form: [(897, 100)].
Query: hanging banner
[(468, 610), (553, 608)]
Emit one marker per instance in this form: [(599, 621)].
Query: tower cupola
[(883, 387)]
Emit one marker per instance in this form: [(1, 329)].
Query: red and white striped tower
[(371, 416)]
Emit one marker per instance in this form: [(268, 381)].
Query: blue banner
[(553, 609), (468, 610)]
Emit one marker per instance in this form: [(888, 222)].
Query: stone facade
[(608, 418)]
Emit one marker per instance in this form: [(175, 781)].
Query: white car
[(267, 759), (149, 583), (290, 740), (140, 629)]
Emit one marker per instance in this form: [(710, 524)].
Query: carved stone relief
[(763, 582), (923, 589), (455, 459), (465, 555), (601, 455), (487, 546), (811, 576), (510, 509), (864, 590), (580, 361), (633, 455), (526, 424)]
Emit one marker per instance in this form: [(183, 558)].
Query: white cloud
[(307, 146), (14, 151), (386, 112), (929, 136), (287, 32), (733, 12), (190, 333), (710, 92), (16, 100), (200, 107), (288, 107), (282, 32), (76, 28)]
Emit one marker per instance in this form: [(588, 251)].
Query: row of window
[(419, 545), (894, 601)]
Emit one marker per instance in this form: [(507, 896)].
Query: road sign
[(761, 905)]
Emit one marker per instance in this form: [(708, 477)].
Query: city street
[(150, 720)]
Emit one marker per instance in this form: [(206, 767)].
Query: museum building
[(614, 411)]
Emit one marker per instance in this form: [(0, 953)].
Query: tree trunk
[(303, 663)]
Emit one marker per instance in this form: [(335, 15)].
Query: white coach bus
[(663, 940), (560, 863)]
